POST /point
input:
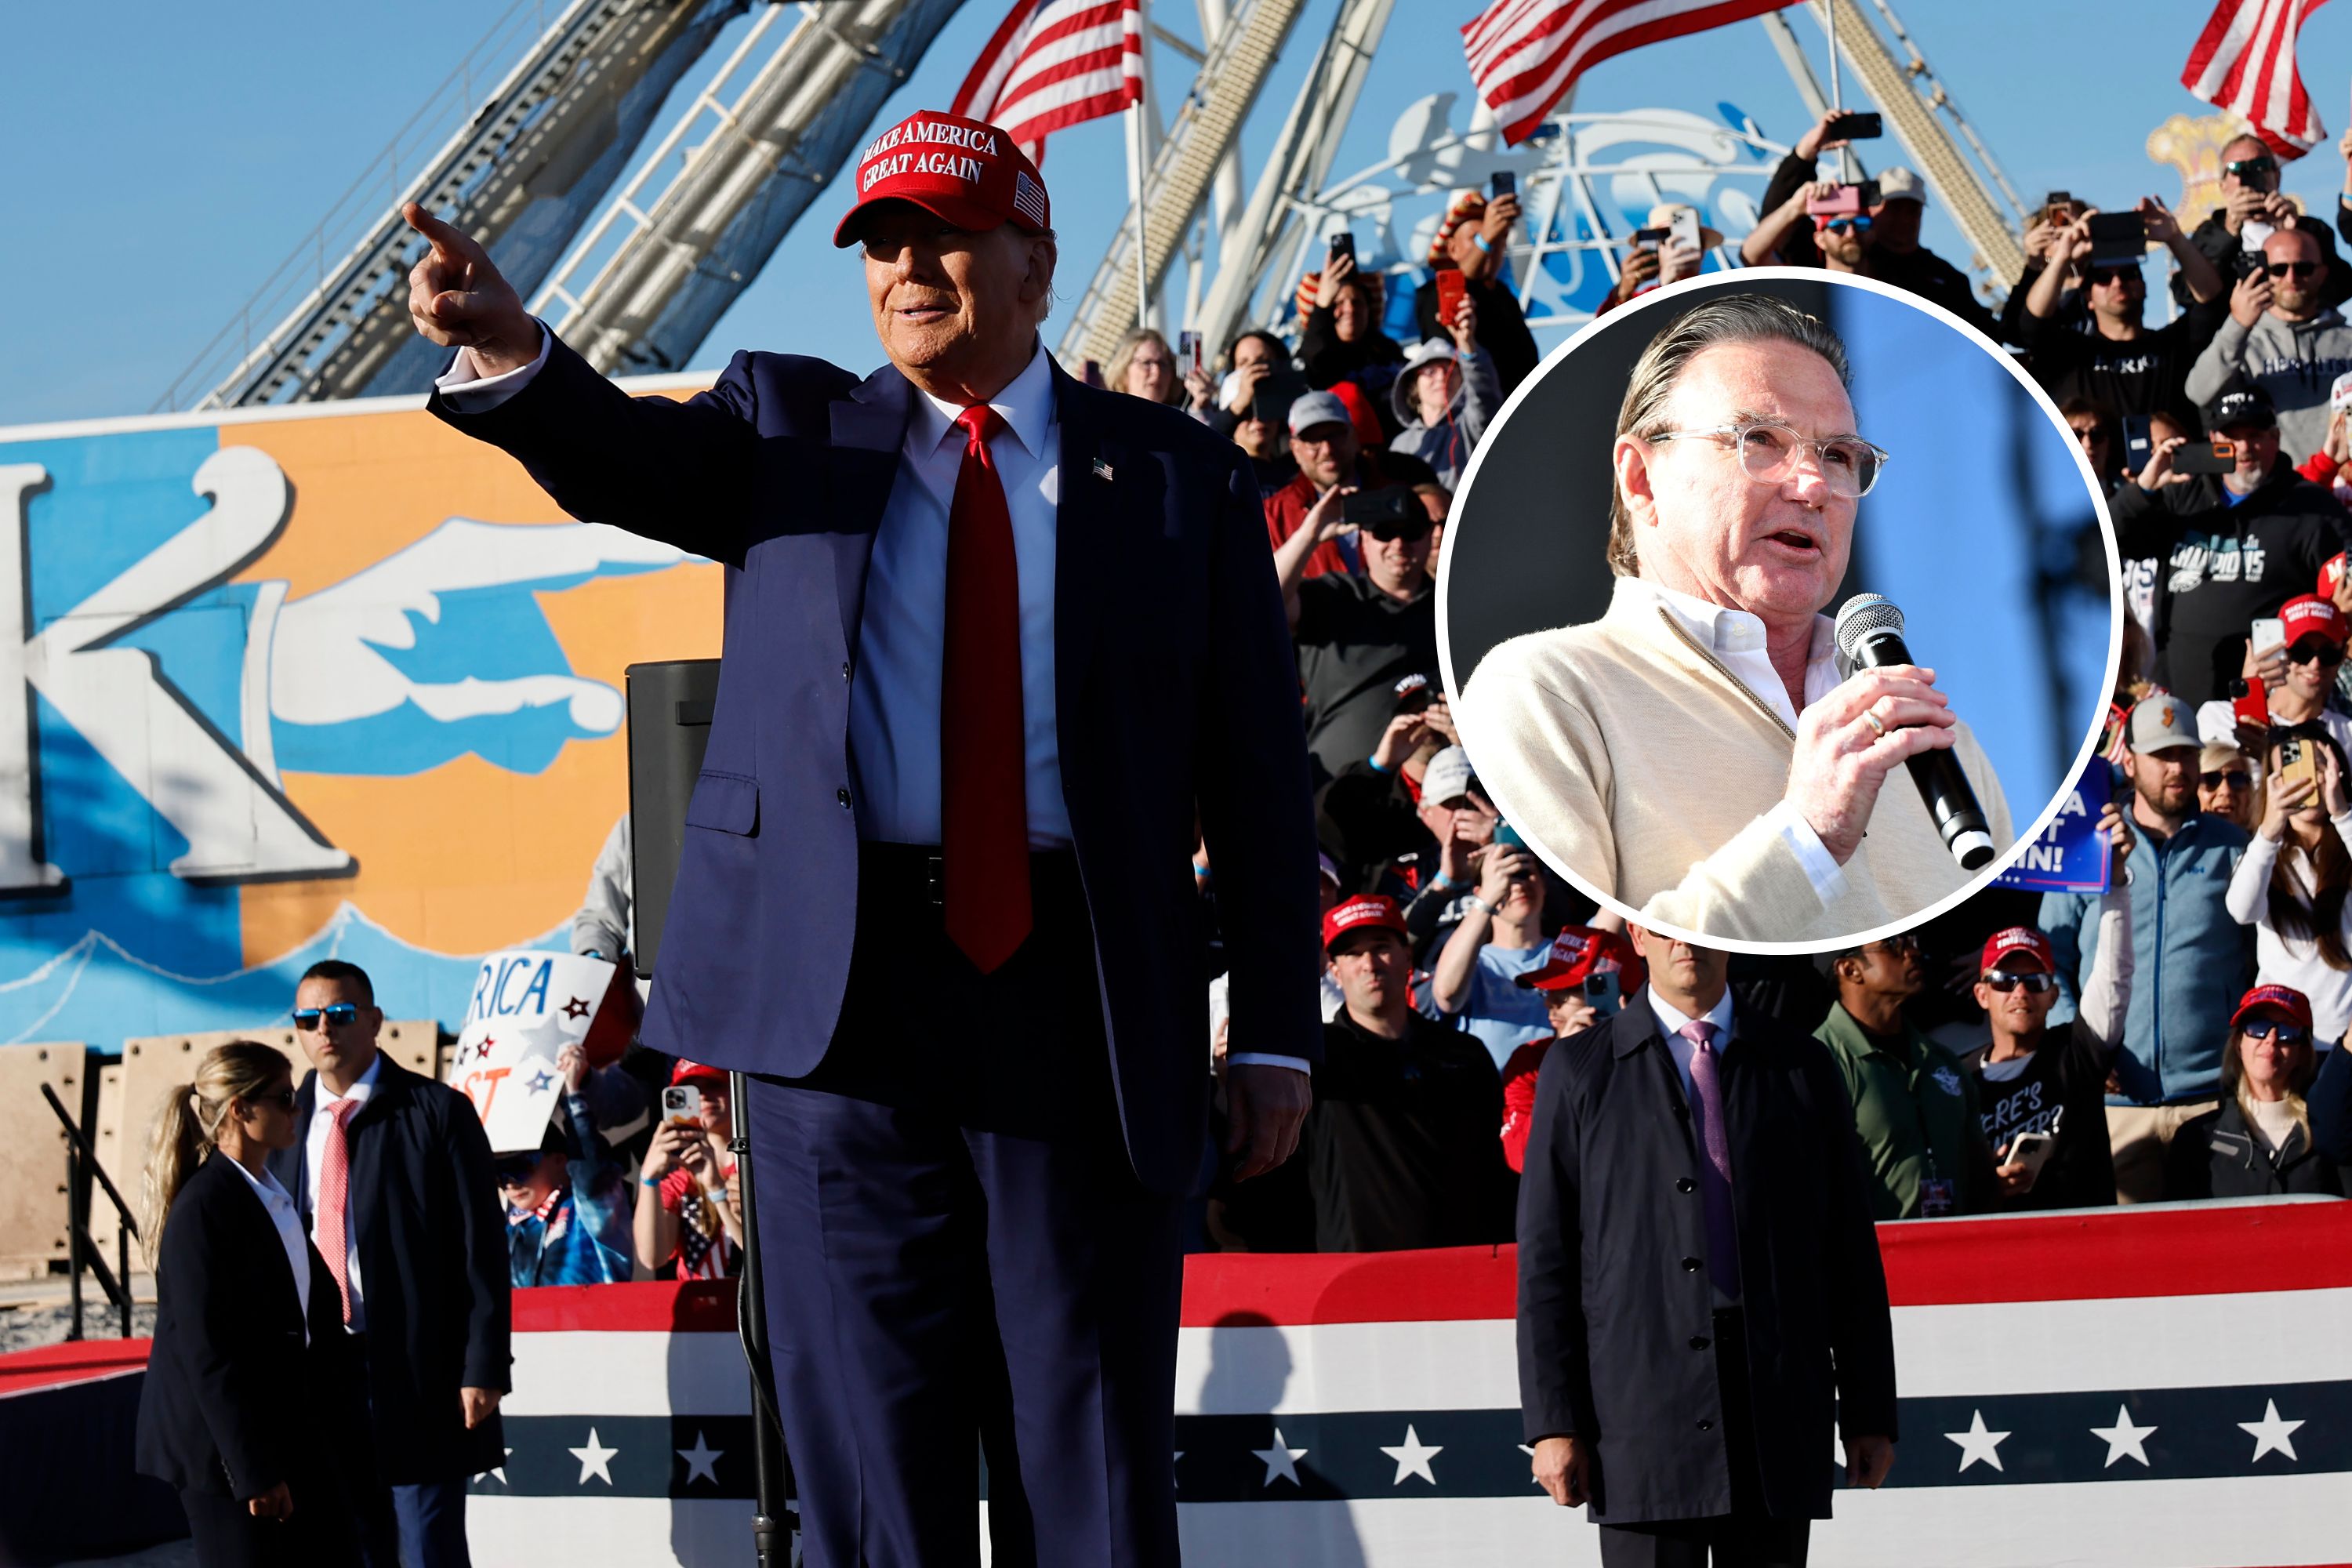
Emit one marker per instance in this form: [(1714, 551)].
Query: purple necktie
[(1715, 1169)]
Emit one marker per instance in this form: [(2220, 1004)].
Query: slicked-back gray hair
[(1732, 319)]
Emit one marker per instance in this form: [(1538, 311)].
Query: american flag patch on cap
[(1029, 198)]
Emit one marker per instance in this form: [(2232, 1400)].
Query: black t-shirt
[(2221, 567), (2061, 1089), (1403, 1147), (2147, 374), (1355, 643)]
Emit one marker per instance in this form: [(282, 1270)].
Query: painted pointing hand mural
[(319, 682)]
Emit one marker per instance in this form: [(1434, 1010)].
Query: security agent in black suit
[(433, 1311), (250, 1403), (1691, 1407)]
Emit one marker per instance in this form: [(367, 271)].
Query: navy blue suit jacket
[(1176, 692), (1615, 1306)]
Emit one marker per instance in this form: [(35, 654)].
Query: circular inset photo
[(1776, 610)]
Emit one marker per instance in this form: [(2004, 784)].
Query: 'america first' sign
[(2071, 855), (526, 1008)]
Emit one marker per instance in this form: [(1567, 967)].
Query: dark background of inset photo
[(1981, 528)]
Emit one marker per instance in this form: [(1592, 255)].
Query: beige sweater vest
[(1626, 753)]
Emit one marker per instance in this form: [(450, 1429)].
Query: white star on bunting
[(1280, 1460), (1976, 1443), (2270, 1433), (2123, 1438), (594, 1460), (1412, 1456), (701, 1461), (499, 1470)]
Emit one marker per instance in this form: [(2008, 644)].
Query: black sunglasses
[(341, 1013), (283, 1098), (2098, 274), (2263, 1028), (2316, 650), (2300, 268), (1389, 530), (2241, 167), (516, 1169), (2236, 778), (2006, 981)]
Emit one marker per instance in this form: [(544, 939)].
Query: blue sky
[(165, 157)]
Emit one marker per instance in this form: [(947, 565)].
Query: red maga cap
[(1367, 909), (697, 1072), (2285, 998), (2331, 573), (964, 171), (2019, 939), (1579, 952), (2304, 613)]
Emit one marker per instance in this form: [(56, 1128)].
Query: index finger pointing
[(451, 244)]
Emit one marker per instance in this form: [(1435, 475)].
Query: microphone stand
[(772, 1530)]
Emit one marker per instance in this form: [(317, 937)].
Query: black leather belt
[(916, 873)]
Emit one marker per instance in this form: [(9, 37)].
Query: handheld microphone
[(1869, 633)]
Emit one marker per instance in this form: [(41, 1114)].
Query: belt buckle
[(935, 880)]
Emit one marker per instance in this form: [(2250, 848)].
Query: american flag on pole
[(1055, 63), (2244, 63), (1525, 54)]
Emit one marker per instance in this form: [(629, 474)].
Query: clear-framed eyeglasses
[(1850, 464)]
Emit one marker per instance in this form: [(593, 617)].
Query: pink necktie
[(1714, 1167), (327, 1224)]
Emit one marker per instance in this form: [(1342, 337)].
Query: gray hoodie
[(2296, 362), (1477, 397)]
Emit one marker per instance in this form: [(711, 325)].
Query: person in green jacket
[(1914, 1104)]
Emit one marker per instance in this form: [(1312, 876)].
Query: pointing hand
[(457, 299)]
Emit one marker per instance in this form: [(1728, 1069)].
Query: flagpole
[(1136, 176)]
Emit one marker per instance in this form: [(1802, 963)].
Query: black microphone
[(1869, 635)]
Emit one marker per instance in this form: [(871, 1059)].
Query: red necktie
[(332, 1203), (983, 801)]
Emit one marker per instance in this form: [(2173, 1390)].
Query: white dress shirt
[(1736, 640), (894, 704), (314, 1152), (1670, 1025), (280, 1202)]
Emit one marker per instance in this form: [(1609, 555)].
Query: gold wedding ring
[(1873, 721)]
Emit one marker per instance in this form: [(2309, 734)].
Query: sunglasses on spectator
[(2006, 981), (2263, 1028), (2241, 167), (341, 1013), (514, 1169), (1388, 530), (2103, 274), (1840, 225), (2236, 778), (2316, 650), (2300, 268)]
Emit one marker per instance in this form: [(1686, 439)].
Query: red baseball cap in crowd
[(964, 171), (2285, 998), (2331, 573), (1365, 910), (1578, 952), (2019, 939), (2306, 613), (697, 1072)]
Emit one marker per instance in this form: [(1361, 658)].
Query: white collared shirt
[(1670, 1025), (314, 1152), (1736, 639), (280, 1202)]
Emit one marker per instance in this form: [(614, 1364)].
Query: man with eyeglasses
[(2283, 335), (2251, 201), (1694, 754), (2235, 547), (2131, 368), (396, 1175), (1914, 1106), (2190, 956), (1357, 634), (2040, 1081), (1323, 443)]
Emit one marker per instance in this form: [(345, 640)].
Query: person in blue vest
[(2192, 959), (995, 642)]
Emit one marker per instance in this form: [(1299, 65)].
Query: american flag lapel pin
[(1102, 470)]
